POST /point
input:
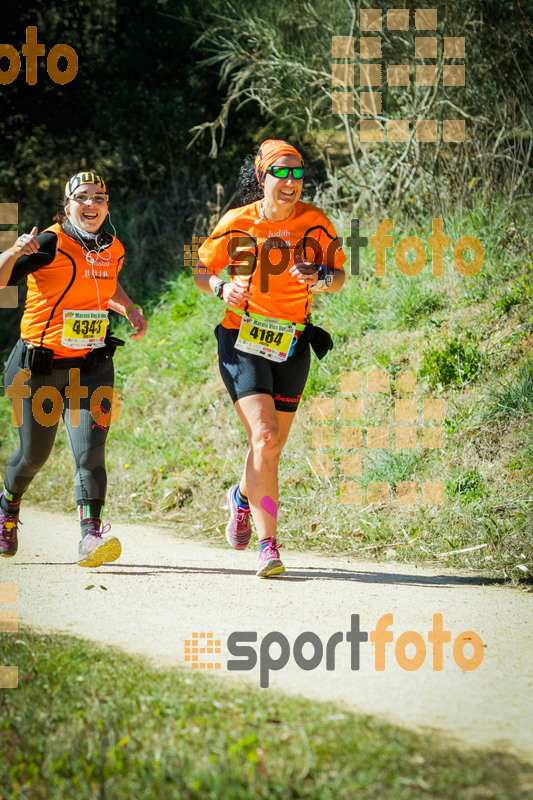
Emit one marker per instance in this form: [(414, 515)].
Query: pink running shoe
[(239, 528), (8, 534), (96, 548), (269, 560)]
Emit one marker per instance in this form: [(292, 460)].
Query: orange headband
[(269, 152)]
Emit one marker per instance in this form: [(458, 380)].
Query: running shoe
[(269, 560), (96, 548), (8, 534), (239, 528)]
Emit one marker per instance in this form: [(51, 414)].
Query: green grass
[(386, 466), (89, 723), (415, 303), (468, 486), (514, 397)]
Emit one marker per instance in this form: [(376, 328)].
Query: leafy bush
[(469, 486), (453, 362)]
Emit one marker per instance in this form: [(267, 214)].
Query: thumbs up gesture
[(27, 243)]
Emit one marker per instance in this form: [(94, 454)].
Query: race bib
[(83, 329), (266, 337)]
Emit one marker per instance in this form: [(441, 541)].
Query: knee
[(266, 442), (31, 464), (90, 459)]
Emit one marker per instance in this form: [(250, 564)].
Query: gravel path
[(156, 597)]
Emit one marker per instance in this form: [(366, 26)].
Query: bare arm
[(119, 303), (234, 294)]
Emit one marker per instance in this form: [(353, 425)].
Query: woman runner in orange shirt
[(279, 251), (72, 270)]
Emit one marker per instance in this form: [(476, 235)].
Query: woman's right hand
[(235, 294), (26, 244)]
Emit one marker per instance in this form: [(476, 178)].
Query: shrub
[(453, 362), (468, 486)]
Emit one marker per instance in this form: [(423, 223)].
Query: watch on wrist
[(218, 290), (325, 279)]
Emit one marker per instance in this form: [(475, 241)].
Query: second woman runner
[(280, 251), (72, 271)]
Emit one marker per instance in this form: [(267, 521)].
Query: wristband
[(133, 305), (325, 279), (219, 289)]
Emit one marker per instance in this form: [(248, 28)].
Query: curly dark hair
[(248, 187)]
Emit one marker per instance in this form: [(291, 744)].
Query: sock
[(90, 517), (263, 544), (10, 503), (241, 498)]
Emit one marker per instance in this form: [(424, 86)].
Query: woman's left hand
[(305, 272), (139, 323)]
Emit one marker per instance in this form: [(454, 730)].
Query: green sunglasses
[(282, 172)]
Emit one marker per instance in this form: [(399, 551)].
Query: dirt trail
[(164, 588)]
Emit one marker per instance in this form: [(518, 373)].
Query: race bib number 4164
[(267, 338)]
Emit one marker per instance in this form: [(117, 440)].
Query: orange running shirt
[(68, 283), (259, 253)]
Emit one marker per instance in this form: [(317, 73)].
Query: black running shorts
[(245, 373)]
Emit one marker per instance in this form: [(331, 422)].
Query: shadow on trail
[(295, 575), (310, 574)]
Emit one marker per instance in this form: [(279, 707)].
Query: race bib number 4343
[(83, 329), (267, 338)]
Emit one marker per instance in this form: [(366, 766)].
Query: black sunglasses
[(282, 172)]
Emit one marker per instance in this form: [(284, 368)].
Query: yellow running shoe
[(96, 548)]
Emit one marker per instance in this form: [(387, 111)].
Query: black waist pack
[(41, 361), (38, 360), (112, 342), (95, 357), (318, 338)]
